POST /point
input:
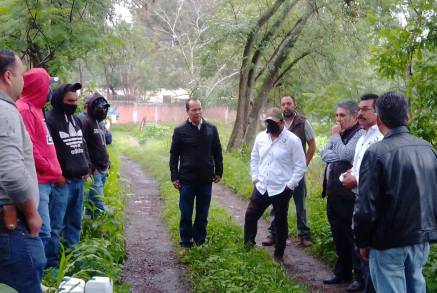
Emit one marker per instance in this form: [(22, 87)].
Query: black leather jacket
[(397, 199)]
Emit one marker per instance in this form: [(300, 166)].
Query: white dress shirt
[(370, 137), (277, 164)]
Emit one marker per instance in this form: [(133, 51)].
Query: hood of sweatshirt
[(58, 95), (36, 87)]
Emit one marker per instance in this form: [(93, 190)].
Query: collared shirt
[(198, 126), (277, 164), (370, 137)]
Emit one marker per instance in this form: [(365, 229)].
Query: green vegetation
[(101, 250), (223, 264)]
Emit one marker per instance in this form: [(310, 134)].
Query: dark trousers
[(299, 197), (201, 192), (364, 272), (257, 205), (339, 212)]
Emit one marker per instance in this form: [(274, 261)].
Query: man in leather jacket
[(396, 211)]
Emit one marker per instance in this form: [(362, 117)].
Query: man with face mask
[(94, 134), (31, 103), (277, 164), (66, 202)]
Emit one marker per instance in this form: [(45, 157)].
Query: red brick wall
[(166, 112)]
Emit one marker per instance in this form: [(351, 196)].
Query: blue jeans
[(399, 270), (22, 260), (43, 210), (197, 232), (299, 197), (66, 205), (95, 194)]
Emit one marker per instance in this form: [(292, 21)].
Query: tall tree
[(52, 34)]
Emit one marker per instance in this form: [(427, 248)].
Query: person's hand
[(349, 180), (336, 129), (60, 181), (177, 184), (364, 252), (34, 223), (254, 182), (216, 179), (86, 177)]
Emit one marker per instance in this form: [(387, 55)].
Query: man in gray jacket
[(22, 256)]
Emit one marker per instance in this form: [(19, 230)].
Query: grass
[(223, 264), (101, 251)]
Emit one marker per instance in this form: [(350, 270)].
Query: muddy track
[(151, 265), (306, 268)]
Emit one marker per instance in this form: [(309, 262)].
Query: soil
[(151, 265), (304, 267)]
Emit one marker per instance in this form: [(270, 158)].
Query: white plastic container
[(72, 285), (99, 285)]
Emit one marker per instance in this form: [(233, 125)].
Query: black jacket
[(66, 131), (195, 155), (397, 199), (94, 136)]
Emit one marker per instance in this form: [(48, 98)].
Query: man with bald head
[(22, 256)]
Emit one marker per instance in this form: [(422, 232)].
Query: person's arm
[(365, 210), (15, 178), (310, 137), (340, 151), (175, 150), (218, 157), (254, 161), (299, 164)]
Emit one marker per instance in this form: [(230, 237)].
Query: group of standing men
[(380, 182), (45, 159)]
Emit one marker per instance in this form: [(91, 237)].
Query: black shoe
[(355, 286), (335, 280)]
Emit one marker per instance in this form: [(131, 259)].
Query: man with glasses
[(367, 120), (22, 256)]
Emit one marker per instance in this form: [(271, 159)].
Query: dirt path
[(151, 265), (307, 269)]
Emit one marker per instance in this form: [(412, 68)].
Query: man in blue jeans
[(66, 202), (22, 258), (94, 133), (195, 162), (395, 213)]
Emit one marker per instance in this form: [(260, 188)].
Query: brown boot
[(269, 241), (305, 242)]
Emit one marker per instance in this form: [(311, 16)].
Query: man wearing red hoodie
[(33, 98)]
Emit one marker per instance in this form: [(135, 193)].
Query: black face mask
[(100, 114), (69, 109), (272, 127)]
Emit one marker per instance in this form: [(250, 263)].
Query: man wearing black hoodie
[(96, 112), (66, 202)]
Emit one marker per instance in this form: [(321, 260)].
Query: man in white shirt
[(277, 165), (367, 120)]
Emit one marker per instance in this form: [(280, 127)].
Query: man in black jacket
[(195, 162), (66, 202), (396, 211), (94, 134)]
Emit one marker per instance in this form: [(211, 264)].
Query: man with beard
[(338, 154), (277, 165), (301, 127), (94, 134), (367, 120), (66, 202)]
